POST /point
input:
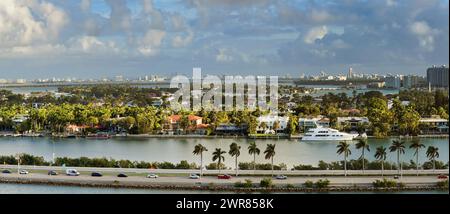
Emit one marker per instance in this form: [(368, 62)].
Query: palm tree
[(398, 147), (363, 145), (198, 150), (380, 154), (218, 155), (235, 152), (253, 150), (270, 152), (344, 147), (416, 145), (432, 154)]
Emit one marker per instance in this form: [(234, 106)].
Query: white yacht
[(327, 134)]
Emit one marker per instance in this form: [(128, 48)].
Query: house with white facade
[(266, 124)]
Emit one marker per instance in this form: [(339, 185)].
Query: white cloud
[(391, 3), (424, 33), (149, 44), (315, 33), (179, 41), (23, 22), (85, 5), (223, 56), (320, 16)]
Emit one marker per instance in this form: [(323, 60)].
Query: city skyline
[(95, 39)]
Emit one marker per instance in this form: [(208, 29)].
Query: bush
[(384, 183), (266, 183), (290, 186), (248, 184), (214, 166), (304, 167), (322, 183), (259, 166), (442, 184), (439, 165), (183, 165), (309, 184)]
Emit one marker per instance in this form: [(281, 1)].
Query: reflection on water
[(174, 150)]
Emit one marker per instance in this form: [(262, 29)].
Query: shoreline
[(292, 137)]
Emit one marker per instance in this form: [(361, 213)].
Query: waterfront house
[(351, 123), (433, 125), (305, 123), (266, 124), (230, 129), (173, 123)]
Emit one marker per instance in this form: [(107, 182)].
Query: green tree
[(235, 152), (416, 145), (432, 154), (253, 150), (379, 116), (380, 155), (198, 150), (270, 153), (344, 148), (276, 126), (218, 155), (363, 145), (399, 147)]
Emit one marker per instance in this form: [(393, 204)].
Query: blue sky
[(104, 38)]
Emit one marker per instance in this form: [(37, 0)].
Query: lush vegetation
[(385, 183), (129, 109)]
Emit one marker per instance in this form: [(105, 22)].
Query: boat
[(98, 135), (327, 134)]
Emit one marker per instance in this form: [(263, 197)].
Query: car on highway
[(122, 175), (281, 177), (6, 171), (23, 172), (442, 177), (194, 176), (96, 174), (396, 177), (72, 172), (52, 172), (224, 176), (152, 176)]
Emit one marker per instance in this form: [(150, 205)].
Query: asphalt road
[(180, 178)]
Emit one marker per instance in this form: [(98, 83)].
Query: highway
[(137, 177)]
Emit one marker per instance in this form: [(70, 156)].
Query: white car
[(72, 172), (23, 172), (194, 176), (152, 176)]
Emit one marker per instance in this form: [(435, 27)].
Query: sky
[(105, 38)]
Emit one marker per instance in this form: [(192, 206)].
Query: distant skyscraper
[(350, 73), (393, 81), (410, 81), (438, 76)]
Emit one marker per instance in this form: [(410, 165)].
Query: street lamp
[(18, 156)]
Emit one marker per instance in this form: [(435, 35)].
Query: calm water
[(47, 189), (289, 152)]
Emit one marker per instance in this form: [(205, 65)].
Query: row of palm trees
[(343, 148), (381, 154), (234, 151)]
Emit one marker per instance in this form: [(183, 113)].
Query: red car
[(442, 177), (223, 176)]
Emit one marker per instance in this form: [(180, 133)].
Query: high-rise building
[(411, 81), (350, 73), (438, 76), (393, 81)]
